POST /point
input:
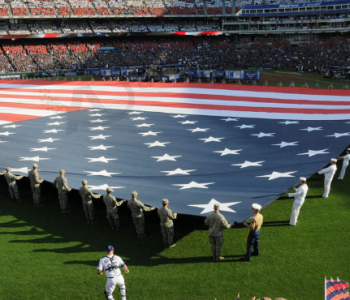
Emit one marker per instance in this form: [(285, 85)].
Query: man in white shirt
[(328, 176), (345, 159), (112, 264), (299, 198)]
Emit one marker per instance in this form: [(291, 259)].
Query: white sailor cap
[(256, 206), (303, 178), (333, 160), (348, 149)]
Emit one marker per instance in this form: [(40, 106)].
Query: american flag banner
[(195, 144), (336, 289)]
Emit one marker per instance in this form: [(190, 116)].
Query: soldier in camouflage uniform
[(217, 223), (11, 181), (61, 184), (35, 182), (166, 223), (112, 209), (137, 208), (88, 206)]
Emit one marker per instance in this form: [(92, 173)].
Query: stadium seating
[(4, 11), (19, 9)]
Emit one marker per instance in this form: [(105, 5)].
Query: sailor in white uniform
[(328, 176), (112, 264), (299, 198), (345, 159)]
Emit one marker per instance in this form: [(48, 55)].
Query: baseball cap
[(110, 248)]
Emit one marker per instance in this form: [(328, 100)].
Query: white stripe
[(204, 91), (4, 122), (77, 103), (28, 112)]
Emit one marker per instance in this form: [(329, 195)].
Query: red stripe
[(173, 95), (230, 87), (41, 107), (16, 117)]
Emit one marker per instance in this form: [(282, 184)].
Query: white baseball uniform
[(328, 176), (112, 264), (345, 165), (299, 198)]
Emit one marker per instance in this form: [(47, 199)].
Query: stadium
[(210, 104)]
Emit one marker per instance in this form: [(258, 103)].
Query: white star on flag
[(262, 134), (275, 175), (193, 184), (144, 125), (98, 128), (52, 131), (135, 113), (100, 173), (338, 135), (100, 159), (289, 122), (103, 187), (245, 126), (309, 129), (212, 139), (210, 206), (314, 152), (229, 119), (99, 137), (150, 133), (249, 164), (35, 158), (3, 141), (44, 149), (101, 147), (49, 140), (188, 122), (12, 126), (6, 133), (55, 123), (199, 129), (179, 116), (228, 151), (57, 117), (286, 144), (20, 170), (98, 121), (178, 172), (157, 144), (139, 119), (96, 115), (167, 157), (95, 109)]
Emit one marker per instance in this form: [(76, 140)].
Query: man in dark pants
[(253, 238)]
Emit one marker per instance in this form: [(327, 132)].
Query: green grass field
[(47, 255)]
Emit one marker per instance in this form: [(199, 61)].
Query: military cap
[(62, 171), (302, 178), (333, 160), (165, 201), (8, 168), (109, 190), (134, 193), (256, 206), (216, 206), (35, 165), (84, 182)]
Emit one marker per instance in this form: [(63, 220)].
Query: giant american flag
[(195, 144)]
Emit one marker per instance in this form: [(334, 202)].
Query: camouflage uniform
[(217, 223), (61, 184), (13, 189), (166, 224), (35, 185), (112, 210), (137, 208), (88, 206)]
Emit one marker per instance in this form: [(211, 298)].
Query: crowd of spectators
[(41, 8), (212, 52), (19, 9)]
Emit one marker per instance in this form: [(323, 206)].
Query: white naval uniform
[(299, 198), (328, 176), (112, 264), (345, 165)]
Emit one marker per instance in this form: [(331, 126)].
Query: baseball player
[(111, 264)]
